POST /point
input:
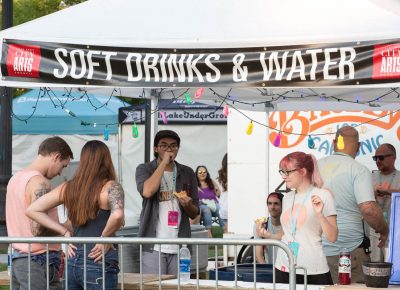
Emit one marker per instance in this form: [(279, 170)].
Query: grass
[(3, 248), (217, 232), (3, 267)]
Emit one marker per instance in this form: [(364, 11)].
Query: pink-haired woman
[(308, 212)]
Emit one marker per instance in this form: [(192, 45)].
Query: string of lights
[(227, 100)]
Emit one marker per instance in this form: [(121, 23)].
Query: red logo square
[(23, 60), (386, 61)]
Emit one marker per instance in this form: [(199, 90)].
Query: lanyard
[(293, 218), (391, 180), (271, 226), (165, 183), (385, 210)]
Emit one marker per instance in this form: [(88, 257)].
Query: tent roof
[(217, 24), (47, 113), (211, 23)]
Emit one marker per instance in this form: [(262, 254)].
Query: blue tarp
[(60, 113)]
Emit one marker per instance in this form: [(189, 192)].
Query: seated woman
[(208, 196), (95, 208), (223, 198)]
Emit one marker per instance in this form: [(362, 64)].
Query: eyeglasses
[(202, 172), (173, 147), (380, 157), (285, 173)]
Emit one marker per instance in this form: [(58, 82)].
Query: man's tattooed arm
[(37, 229)]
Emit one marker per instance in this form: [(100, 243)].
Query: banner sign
[(175, 111), (322, 127), (373, 62)]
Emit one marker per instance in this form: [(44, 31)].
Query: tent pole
[(151, 125), (5, 128)]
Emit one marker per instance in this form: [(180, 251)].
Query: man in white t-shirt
[(271, 229), (386, 180)]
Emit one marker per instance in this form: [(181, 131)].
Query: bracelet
[(65, 232)]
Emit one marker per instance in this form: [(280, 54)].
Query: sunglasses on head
[(380, 157)]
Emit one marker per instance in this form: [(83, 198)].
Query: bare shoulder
[(37, 187)]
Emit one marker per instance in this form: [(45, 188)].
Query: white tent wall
[(248, 171), (202, 144), (25, 148)]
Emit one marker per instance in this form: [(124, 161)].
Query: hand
[(168, 157), (185, 200), (261, 231), (96, 252), (379, 191), (71, 250), (317, 204), (382, 239)]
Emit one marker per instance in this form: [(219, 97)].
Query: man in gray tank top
[(271, 229)]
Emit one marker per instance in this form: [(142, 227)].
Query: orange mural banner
[(298, 125)]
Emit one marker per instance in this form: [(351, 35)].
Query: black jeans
[(319, 279)]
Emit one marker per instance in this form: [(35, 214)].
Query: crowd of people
[(333, 203)]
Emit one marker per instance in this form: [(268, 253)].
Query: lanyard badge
[(173, 218), (294, 245)]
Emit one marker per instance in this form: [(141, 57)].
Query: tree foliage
[(26, 10)]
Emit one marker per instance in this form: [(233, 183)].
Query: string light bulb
[(198, 93), (69, 112), (164, 117), (188, 98), (340, 142), (310, 142), (225, 111), (277, 141), (135, 130), (106, 134), (249, 130)]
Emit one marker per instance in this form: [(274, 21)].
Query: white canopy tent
[(212, 24), (182, 24)]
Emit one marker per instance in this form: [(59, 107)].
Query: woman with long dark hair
[(223, 198), (95, 208), (308, 212), (208, 197)]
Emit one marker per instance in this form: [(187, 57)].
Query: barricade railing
[(124, 241)]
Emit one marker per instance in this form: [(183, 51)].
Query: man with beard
[(270, 228)]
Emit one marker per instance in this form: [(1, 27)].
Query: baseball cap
[(166, 134)]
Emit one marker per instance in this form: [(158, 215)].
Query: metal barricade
[(123, 241)]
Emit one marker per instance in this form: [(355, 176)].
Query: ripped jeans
[(94, 274)]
